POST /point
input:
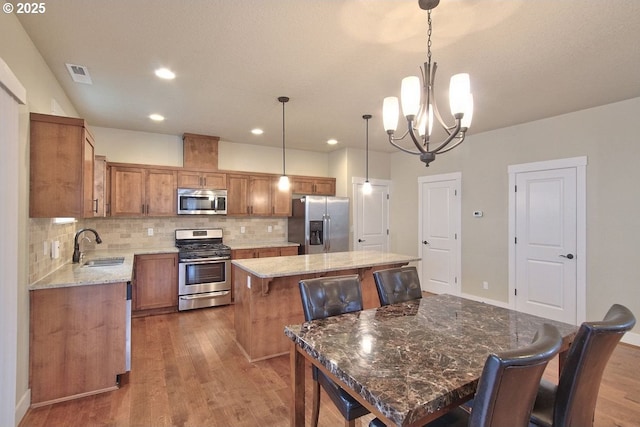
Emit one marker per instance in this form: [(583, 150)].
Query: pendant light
[(366, 187), (283, 183)]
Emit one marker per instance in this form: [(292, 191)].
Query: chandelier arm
[(452, 135), (416, 140), (391, 141), (461, 138)]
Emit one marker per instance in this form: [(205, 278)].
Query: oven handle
[(206, 295), (205, 260)]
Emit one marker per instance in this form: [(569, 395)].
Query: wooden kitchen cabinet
[(140, 191), (264, 252), (155, 283), (77, 341), (313, 185), (200, 151), (197, 179), (61, 168), (256, 195)]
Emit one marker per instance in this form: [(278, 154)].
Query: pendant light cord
[(367, 117), (283, 99)]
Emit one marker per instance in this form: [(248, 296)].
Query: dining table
[(410, 363)]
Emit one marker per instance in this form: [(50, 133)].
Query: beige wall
[(17, 50), (606, 135)]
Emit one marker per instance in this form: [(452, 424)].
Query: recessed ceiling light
[(257, 131), (332, 141), (165, 73), (156, 117)]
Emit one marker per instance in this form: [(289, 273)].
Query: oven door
[(204, 283)]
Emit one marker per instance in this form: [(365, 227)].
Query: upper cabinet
[(256, 195), (200, 152), (61, 168), (196, 179), (142, 191), (313, 185)]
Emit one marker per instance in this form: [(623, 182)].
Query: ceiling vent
[(79, 74)]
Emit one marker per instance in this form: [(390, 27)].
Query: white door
[(546, 243), (371, 217), (439, 232)]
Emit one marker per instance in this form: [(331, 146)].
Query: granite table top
[(411, 359), (318, 263), (70, 274)]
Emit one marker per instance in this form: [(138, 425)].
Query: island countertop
[(318, 263)]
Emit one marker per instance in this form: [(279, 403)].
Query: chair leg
[(316, 404), (350, 423)]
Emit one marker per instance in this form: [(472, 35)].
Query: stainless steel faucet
[(77, 255)]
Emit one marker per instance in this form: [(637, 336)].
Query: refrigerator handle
[(327, 233)]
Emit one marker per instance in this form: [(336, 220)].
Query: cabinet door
[(237, 195), (243, 253), (280, 200), (156, 281), (267, 252), (90, 203), (325, 187), (200, 151), (189, 179), (161, 193), (214, 181), (302, 186), (260, 195), (127, 191), (289, 251)]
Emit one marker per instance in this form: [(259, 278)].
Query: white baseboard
[(23, 406), (486, 300)]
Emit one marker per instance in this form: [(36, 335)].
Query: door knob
[(424, 242), (360, 240), (568, 256)]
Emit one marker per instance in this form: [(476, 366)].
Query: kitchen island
[(267, 296)]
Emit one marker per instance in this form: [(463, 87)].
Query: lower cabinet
[(155, 283), (77, 341)]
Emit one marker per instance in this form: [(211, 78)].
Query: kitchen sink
[(104, 262)]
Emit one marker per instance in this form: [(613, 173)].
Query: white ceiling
[(335, 59)]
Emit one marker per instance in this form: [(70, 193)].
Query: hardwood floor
[(188, 371)]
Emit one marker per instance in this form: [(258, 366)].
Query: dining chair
[(325, 297), (397, 285), (507, 386), (572, 402)]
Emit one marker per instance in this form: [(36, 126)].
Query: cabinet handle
[(96, 202), (204, 181), (147, 209), (142, 208)]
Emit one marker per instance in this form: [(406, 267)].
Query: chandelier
[(420, 109)]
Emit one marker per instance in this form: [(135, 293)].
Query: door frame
[(358, 181), (580, 164), (453, 176)]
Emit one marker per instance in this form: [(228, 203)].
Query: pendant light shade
[(283, 183)]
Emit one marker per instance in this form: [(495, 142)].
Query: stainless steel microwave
[(193, 201)]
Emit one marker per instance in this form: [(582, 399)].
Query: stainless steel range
[(204, 269)]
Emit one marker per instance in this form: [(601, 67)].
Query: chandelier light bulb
[(410, 96), (459, 90), (468, 114), (390, 112)]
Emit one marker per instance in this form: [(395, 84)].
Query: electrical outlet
[(149, 231), (248, 282), (242, 229), (269, 229), (55, 250), (485, 285)]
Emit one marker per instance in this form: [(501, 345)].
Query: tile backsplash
[(132, 233)]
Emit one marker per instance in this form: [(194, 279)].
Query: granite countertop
[(260, 244), (77, 275), (410, 359), (318, 263)]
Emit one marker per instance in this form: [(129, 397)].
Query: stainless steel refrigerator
[(320, 224)]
